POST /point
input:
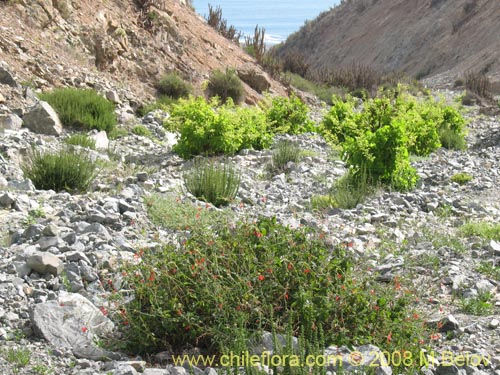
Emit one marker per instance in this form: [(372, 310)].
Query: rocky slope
[(421, 38), (60, 252), (114, 44)]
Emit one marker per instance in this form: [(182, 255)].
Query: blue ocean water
[(280, 18)]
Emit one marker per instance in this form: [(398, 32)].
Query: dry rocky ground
[(54, 319)]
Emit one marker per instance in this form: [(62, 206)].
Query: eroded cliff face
[(129, 43), (420, 37)]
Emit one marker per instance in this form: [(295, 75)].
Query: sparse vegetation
[(225, 85), (215, 20), (212, 181), (485, 230), (19, 358), (73, 171), (82, 108), (461, 178), (82, 140), (478, 305), (256, 46), (142, 131)]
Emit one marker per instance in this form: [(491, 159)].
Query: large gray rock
[(42, 119), (6, 78), (254, 77), (45, 263), (72, 322), (10, 121), (7, 200)]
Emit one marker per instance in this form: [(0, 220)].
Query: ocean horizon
[(279, 18)]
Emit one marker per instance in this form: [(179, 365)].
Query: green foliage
[(323, 92), (66, 169), (289, 115), (488, 268), (169, 213), (212, 181), (163, 103), (479, 305), (284, 152), (82, 108), (82, 140), (225, 284), (486, 230), (117, 133), (173, 86), (207, 128), (141, 130), (351, 189), (461, 178), (225, 85), (19, 358), (387, 129)]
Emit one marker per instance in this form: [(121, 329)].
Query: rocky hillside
[(113, 44), (421, 38)]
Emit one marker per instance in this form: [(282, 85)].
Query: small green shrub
[(479, 305), (451, 140), (69, 170), (173, 86), (486, 230), (141, 130), (225, 85), (289, 115), (488, 268), (19, 358), (117, 133), (82, 140), (212, 181), (461, 178), (163, 103), (232, 281), (351, 189), (323, 92), (283, 153), (82, 108), (207, 128)]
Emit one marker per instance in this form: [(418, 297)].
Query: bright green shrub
[(173, 86), (82, 108), (237, 279), (289, 115), (225, 85), (213, 182), (461, 178), (207, 128), (69, 170), (341, 121)]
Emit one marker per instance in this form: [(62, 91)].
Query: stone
[(10, 121), (45, 263), (42, 119), (101, 139), (7, 200), (142, 176), (24, 185), (2, 98), (155, 371), (70, 322), (254, 77), (6, 78), (495, 247), (51, 230), (447, 369), (494, 324), (449, 323), (124, 369), (484, 286), (47, 242), (113, 96)]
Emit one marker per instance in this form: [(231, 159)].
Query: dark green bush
[(289, 115), (212, 181), (207, 128), (173, 86), (245, 277), (225, 85), (82, 108), (68, 170)]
